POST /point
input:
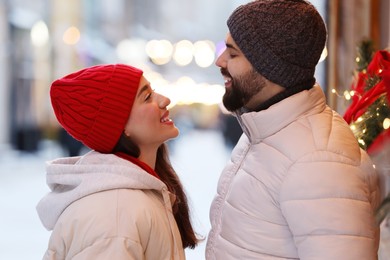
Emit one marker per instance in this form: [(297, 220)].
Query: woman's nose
[(163, 101)]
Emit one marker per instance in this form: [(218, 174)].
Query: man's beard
[(242, 89)]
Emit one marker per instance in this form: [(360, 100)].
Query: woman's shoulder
[(109, 202), (130, 214), (115, 211)]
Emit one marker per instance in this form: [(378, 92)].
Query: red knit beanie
[(94, 104)]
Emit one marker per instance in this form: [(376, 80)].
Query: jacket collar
[(259, 125)]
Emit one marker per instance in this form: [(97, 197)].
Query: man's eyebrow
[(143, 89), (230, 46)]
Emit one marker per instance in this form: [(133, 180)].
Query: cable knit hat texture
[(282, 39), (94, 104)]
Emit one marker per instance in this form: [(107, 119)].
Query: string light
[(386, 123), (347, 95)]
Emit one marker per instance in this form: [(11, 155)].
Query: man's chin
[(231, 100), (231, 105)]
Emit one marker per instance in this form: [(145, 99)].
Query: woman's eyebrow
[(143, 89)]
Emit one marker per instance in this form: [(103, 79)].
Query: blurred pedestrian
[(122, 200), (298, 186)]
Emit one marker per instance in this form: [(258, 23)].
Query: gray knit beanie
[(282, 39)]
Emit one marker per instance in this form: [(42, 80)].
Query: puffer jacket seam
[(338, 235), (103, 239)]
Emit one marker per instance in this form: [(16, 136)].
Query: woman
[(122, 200)]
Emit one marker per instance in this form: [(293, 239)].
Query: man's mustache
[(225, 72)]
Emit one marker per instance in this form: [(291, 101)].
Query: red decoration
[(363, 98), (377, 145), (386, 82)]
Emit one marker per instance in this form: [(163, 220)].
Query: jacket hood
[(72, 178)]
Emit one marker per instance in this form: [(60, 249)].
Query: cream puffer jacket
[(297, 187), (104, 207)]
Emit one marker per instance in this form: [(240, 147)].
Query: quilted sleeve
[(329, 208)]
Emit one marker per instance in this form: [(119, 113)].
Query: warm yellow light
[(185, 91), (386, 123), (71, 35), (204, 53), (159, 51), (183, 53), (347, 95)]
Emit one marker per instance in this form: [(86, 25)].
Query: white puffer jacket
[(104, 207), (297, 187)]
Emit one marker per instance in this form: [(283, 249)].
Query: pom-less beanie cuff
[(94, 104)]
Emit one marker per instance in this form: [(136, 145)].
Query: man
[(298, 186)]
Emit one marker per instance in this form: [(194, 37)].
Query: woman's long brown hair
[(167, 175)]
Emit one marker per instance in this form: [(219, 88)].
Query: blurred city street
[(198, 157), (176, 44)]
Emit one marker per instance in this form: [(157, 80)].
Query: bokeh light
[(132, 50), (39, 34), (159, 51), (71, 36), (204, 53), (183, 53)]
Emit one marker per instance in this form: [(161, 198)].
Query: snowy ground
[(198, 157)]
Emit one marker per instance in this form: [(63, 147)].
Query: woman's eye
[(149, 95)]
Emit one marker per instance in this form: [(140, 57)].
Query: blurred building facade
[(73, 34)]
